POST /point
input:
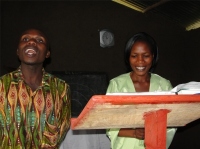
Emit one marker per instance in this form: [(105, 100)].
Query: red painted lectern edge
[(138, 99), (127, 99)]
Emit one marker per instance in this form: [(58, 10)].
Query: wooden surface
[(125, 111)]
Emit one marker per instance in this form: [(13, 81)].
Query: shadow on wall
[(83, 86), (187, 137)]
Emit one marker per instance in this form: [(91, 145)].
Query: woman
[(141, 55)]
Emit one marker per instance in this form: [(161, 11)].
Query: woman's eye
[(133, 56), (146, 56)]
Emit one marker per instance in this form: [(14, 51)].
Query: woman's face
[(140, 58)]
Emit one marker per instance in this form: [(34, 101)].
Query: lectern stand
[(154, 112)]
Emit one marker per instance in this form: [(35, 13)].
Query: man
[(34, 105)]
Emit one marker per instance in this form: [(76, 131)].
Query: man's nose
[(32, 42)]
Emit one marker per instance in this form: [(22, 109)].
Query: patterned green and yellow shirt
[(32, 120)]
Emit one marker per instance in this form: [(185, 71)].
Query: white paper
[(187, 88)]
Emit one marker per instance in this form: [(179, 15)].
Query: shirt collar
[(19, 76)]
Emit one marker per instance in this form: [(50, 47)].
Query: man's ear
[(48, 54), (17, 52)]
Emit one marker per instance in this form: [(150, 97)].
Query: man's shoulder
[(9, 75), (50, 76)]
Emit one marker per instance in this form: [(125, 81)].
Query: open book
[(186, 88)]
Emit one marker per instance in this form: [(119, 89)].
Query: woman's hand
[(138, 133)]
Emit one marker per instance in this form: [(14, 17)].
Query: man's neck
[(32, 75)]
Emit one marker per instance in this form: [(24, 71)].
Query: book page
[(187, 88)]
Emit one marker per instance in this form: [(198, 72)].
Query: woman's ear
[(48, 54)]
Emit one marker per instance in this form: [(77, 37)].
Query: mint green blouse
[(124, 84)]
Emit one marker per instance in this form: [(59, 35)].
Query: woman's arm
[(132, 133)]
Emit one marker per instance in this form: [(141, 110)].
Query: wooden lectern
[(154, 112)]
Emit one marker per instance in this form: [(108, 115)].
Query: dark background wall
[(73, 30)]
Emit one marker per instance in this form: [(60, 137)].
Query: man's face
[(32, 48)]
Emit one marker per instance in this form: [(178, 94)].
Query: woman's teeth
[(140, 68)]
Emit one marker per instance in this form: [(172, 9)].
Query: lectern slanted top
[(154, 112), (125, 111)]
